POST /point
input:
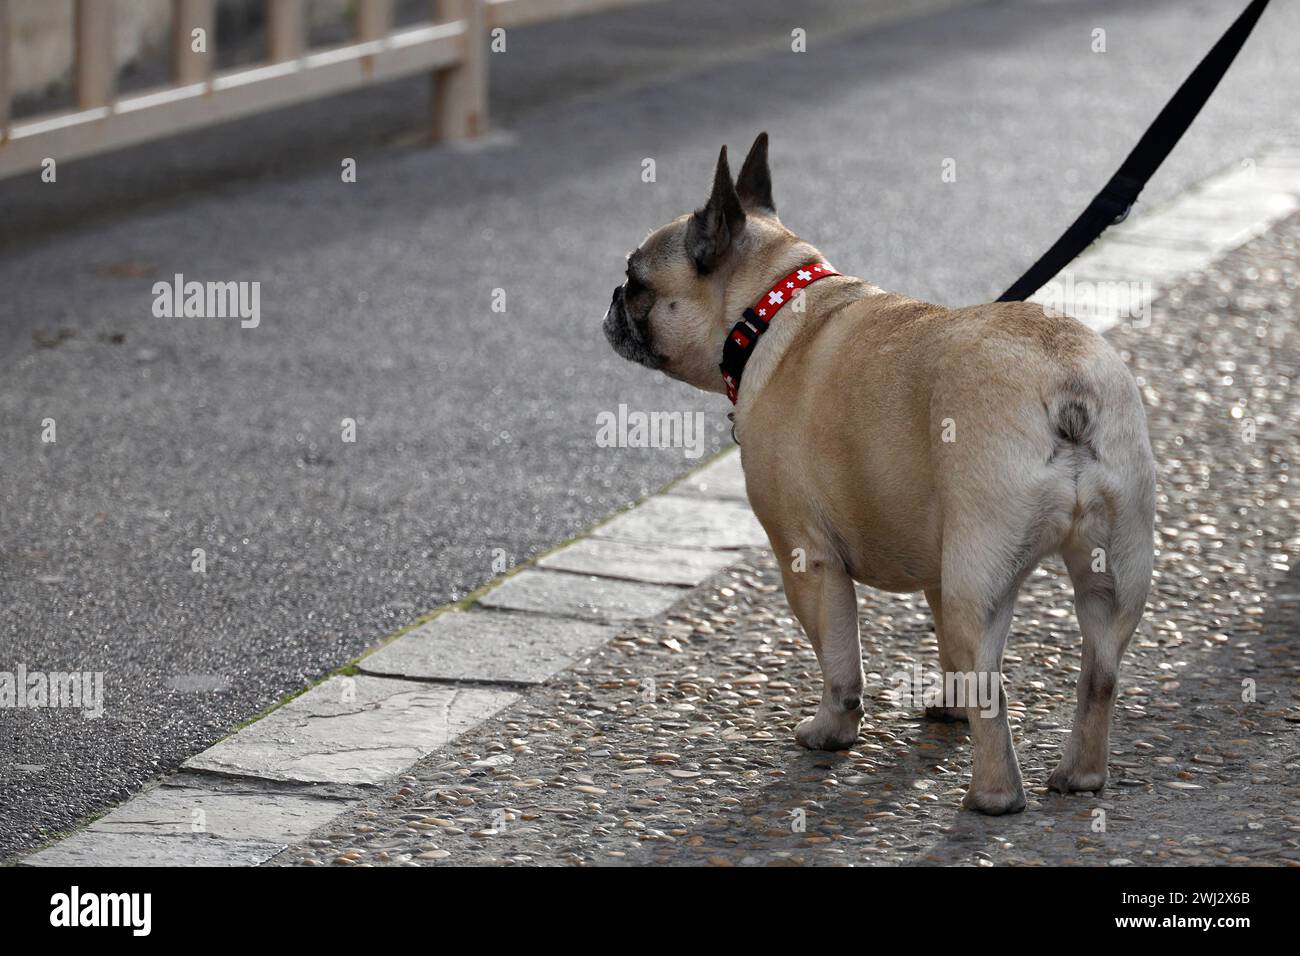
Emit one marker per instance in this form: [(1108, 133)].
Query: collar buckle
[(754, 322)]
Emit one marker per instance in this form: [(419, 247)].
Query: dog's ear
[(716, 223), (754, 184)]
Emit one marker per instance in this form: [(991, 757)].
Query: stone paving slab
[(581, 596), (489, 646), (1136, 262), (1187, 229), (656, 564), (1253, 186), (247, 814), (1282, 157), (722, 478), (357, 730), (1259, 209), (688, 522), (141, 849)]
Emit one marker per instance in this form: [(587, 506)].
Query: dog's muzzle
[(627, 337)]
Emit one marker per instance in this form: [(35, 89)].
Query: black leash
[(1113, 203)]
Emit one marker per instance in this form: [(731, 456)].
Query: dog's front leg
[(822, 596)]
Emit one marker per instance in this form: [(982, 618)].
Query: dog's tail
[(1075, 414)]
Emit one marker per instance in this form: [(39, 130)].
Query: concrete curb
[(276, 780)]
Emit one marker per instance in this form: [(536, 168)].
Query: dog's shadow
[(897, 806)]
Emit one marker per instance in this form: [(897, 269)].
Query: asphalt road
[(476, 429)]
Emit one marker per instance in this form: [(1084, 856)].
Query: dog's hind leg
[(993, 537), (934, 597), (1109, 559), (975, 629)]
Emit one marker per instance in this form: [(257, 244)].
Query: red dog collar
[(746, 333)]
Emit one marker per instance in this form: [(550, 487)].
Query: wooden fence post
[(374, 19), (6, 88), (460, 92), (94, 59), (286, 30), (189, 66)]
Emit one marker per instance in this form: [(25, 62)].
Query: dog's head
[(683, 283)]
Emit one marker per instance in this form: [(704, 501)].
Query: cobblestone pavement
[(674, 745)]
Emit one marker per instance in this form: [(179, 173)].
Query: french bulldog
[(909, 447)]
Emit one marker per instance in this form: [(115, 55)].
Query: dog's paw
[(1065, 779), (994, 803), (837, 732), (947, 715)]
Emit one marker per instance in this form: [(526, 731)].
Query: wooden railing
[(519, 13), (453, 48)]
